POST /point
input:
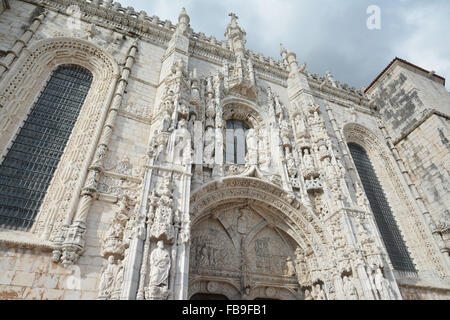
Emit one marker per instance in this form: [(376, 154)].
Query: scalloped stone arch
[(242, 109), (405, 211), (295, 225), (303, 226), (19, 91)]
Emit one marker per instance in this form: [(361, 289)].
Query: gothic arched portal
[(244, 246)]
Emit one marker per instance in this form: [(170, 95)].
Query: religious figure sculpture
[(349, 289), (107, 279), (160, 266), (252, 146), (382, 285), (308, 295), (208, 151), (183, 150)]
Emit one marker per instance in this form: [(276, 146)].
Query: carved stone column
[(70, 242), (20, 44)]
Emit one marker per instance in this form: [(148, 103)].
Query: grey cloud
[(329, 35)]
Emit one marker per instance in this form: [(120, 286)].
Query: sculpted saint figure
[(350, 289), (160, 266), (307, 159), (107, 279), (382, 285), (208, 151), (252, 146), (308, 295)]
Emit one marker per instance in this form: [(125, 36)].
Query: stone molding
[(22, 86)]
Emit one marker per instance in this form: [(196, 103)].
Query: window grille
[(30, 163), (384, 218)]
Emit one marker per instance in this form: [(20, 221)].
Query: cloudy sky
[(329, 35)]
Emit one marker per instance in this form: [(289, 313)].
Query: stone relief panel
[(235, 244), (270, 254), (212, 250)]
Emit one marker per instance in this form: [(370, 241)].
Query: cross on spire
[(233, 15)]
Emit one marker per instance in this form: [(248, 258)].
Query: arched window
[(236, 145), (384, 218), (30, 163)]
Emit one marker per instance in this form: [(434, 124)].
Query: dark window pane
[(238, 128), (384, 218), (30, 163)]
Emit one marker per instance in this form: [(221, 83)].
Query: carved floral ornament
[(240, 109), (288, 209), (19, 91)]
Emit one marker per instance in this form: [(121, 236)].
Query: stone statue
[(167, 119), (308, 295), (252, 146), (318, 293), (382, 285), (349, 289), (183, 150), (160, 266), (285, 133), (307, 159), (107, 279), (208, 151)]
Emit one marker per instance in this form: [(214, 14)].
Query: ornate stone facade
[(146, 204)]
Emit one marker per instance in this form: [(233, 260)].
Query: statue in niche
[(323, 151), (252, 147), (285, 133), (204, 259), (183, 150), (191, 123), (210, 113), (113, 239), (119, 278), (107, 279), (349, 289), (308, 295), (291, 167), (264, 151), (208, 151), (160, 266), (307, 159), (163, 222), (183, 109), (300, 126), (382, 285), (318, 293)]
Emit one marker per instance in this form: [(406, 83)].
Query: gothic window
[(384, 218), (31, 161), (236, 145)]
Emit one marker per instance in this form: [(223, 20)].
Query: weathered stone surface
[(147, 202)]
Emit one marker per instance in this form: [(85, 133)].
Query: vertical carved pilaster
[(20, 44), (430, 223), (71, 246)]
